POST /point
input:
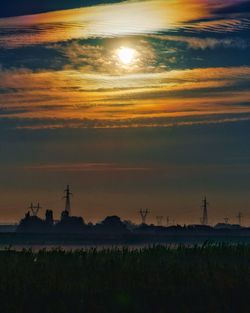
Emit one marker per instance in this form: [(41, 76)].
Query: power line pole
[(67, 198), (144, 214), (35, 208), (159, 220), (239, 216), (204, 206)]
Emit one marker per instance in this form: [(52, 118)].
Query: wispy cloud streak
[(91, 85), (128, 18), (88, 167)]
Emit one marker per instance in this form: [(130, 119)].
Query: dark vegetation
[(208, 278)]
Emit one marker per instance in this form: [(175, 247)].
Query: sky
[(135, 104)]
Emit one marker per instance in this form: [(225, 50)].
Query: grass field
[(209, 278)]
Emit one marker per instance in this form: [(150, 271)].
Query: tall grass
[(208, 278)]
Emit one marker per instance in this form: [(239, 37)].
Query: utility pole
[(31, 207), (67, 198), (159, 220), (204, 207), (144, 214), (239, 216)]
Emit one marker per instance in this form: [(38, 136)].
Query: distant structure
[(34, 209), (144, 214), (114, 228), (31, 223), (49, 217), (67, 197), (204, 206), (239, 217), (159, 220)]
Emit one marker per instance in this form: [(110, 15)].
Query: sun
[(126, 55)]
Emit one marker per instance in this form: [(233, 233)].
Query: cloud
[(106, 99), (220, 25), (98, 21), (234, 7), (88, 167), (120, 19), (16, 8), (97, 58), (159, 122), (205, 43)]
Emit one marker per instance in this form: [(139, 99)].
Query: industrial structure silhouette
[(69, 223)]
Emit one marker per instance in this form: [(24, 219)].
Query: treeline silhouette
[(111, 224)]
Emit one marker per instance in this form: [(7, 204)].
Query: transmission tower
[(34, 208), (239, 216), (67, 198), (159, 220), (204, 206), (144, 214)]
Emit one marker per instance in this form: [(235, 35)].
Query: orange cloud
[(72, 94), (135, 17), (88, 167)]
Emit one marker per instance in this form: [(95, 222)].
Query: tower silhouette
[(34, 208), (67, 198), (239, 216), (204, 206), (144, 214), (159, 220)]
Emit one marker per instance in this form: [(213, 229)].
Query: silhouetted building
[(64, 215), (49, 217), (33, 224), (112, 226), (70, 224)]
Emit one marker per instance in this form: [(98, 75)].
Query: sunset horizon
[(124, 156), (135, 104)]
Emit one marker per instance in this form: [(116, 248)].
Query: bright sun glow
[(126, 55)]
